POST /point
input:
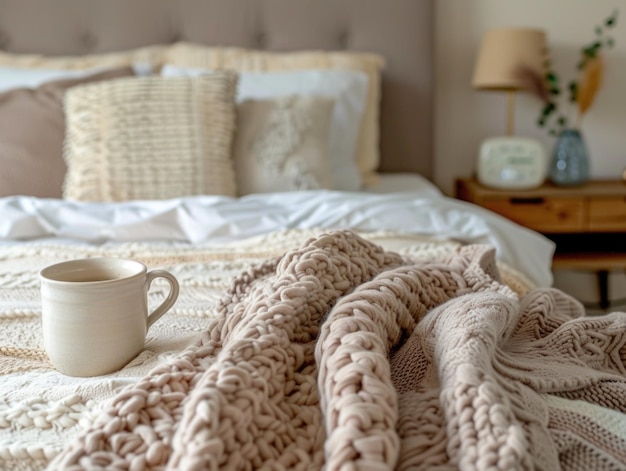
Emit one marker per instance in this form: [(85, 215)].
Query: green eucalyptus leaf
[(612, 20), (573, 92), (549, 109), (588, 51)]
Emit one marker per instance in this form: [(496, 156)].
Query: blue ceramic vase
[(570, 160)]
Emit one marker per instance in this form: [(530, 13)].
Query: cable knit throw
[(346, 356)]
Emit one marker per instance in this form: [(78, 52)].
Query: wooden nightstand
[(588, 223)]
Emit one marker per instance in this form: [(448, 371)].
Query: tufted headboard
[(400, 30)]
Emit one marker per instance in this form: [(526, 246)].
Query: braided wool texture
[(343, 355)]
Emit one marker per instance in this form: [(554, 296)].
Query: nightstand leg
[(603, 288)]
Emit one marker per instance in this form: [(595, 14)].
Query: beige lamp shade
[(504, 52)]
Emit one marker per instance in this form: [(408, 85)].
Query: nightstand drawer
[(607, 214), (553, 215)]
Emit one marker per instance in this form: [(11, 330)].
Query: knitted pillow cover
[(150, 138)]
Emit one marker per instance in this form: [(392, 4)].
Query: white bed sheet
[(212, 220)]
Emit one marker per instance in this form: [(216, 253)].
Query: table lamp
[(509, 161)]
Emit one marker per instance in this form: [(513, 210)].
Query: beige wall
[(464, 117)]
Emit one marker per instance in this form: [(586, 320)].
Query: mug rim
[(47, 273)]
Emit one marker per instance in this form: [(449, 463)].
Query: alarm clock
[(512, 163)]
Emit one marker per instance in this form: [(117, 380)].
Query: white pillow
[(349, 90), (17, 77), (26, 77)]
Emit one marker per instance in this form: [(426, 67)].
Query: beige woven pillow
[(245, 60), (146, 55), (281, 144), (150, 138)]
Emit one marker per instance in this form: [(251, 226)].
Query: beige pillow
[(245, 60), (281, 144), (146, 55), (32, 129), (150, 138)]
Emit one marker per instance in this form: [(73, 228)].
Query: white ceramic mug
[(95, 313)]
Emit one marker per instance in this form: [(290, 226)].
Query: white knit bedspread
[(40, 409)]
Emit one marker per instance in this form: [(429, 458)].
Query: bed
[(336, 309)]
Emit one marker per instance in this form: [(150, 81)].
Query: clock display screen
[(520, 160)]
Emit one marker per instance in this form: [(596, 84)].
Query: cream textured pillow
[(281, 144), (245, 60), (150, 138), (146, 55)]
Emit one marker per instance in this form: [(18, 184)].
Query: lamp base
[(510, 162)]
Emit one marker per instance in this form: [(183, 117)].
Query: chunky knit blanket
[(343, 355)]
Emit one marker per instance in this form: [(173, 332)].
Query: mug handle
[(169, 300)]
